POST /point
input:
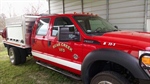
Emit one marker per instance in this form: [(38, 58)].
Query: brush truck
[(82, 46)]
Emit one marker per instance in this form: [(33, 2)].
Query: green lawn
[(29, 73)]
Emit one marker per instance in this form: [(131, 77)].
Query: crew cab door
[(68, 53), (39, 37)]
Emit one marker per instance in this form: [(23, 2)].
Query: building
[(126, 14)]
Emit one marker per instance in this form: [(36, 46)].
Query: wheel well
[(28, 50), (100, 66)]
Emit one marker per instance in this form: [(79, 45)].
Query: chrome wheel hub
[(104, 82), (11, 56)]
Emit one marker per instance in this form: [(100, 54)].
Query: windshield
[(94, 24)]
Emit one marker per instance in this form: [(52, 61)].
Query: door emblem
[(63, 45), (62, 50), (75, 56)]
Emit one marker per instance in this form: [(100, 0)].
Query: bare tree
[(33, 8), (2, 21), (11, 9)]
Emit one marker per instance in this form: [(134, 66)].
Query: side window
[(42, 26), (60, 22)]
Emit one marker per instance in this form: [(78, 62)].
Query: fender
[(116, 56)]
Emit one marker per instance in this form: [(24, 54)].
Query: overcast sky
[(19, 6)]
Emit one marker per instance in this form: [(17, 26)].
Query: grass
[(29, 73)]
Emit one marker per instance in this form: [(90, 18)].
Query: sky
[(19, 7)]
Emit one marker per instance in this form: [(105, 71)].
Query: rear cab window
[(43, 26)]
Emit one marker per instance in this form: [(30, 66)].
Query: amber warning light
[(146, 60), (86, 13)]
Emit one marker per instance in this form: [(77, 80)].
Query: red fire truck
[(83, 46)]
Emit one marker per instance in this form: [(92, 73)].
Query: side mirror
[(71, 29), (68, 34)]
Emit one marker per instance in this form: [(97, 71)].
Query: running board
[(60, 71)]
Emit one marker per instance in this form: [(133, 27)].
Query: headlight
[(144, 57)]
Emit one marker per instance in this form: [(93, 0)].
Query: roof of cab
[(68, 14)]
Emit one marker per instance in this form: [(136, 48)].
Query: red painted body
[(126, 41), (3, 33)]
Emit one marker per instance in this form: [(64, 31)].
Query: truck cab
[(67, 39), (91, 48)]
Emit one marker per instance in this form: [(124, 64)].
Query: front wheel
[(109, 77)]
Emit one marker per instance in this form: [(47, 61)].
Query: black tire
[(8, 47), (109, 77), (14, 55), (23, 54)]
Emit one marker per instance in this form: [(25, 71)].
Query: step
[(66, 73)]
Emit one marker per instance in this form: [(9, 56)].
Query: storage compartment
[(19, 30)]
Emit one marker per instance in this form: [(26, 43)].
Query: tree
[(11, 10), (2, 21), (33, 8)]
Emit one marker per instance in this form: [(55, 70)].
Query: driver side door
[(69, 51)]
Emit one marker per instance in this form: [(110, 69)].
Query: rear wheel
[(109, 77), (14, 56)]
